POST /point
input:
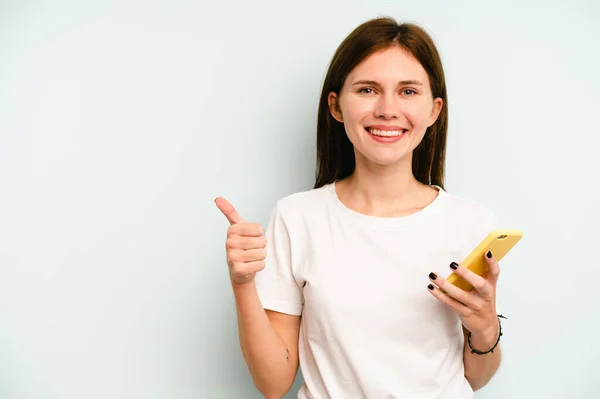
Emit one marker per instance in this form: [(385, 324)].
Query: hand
[(245, 245), (476, 308)]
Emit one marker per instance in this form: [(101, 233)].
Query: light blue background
[(121, 121)]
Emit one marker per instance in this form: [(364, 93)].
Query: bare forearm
[(479, 369), (265, 352)]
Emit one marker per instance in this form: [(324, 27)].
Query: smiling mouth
[(385, 133)]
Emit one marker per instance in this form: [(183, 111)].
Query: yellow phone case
[(499, 242)]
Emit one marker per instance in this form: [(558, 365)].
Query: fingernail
[(430, 287), (454, 265), (432, 276), (489, 254)]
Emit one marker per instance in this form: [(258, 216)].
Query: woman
[(348, 280)]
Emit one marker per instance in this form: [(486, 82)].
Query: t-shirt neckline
[(378, 222)]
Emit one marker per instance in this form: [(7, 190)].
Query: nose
[(387, 107)]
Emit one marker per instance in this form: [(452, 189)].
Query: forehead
[(389, 66)]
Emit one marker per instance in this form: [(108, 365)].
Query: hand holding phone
[(499, 242)]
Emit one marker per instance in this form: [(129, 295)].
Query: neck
[(384, 191)]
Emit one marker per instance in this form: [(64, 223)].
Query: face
[(386, 106)]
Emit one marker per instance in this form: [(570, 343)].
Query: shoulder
[(301, 212), (469, 216), (465, 207), (304, 203), (470, 220)]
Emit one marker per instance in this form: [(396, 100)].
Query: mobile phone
[(499, 242)]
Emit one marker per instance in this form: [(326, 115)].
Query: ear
[(334, 107), (438, 103)]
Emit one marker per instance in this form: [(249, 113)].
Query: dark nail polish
[(432, 276), (489, 254), (453, 265), (430, 287)]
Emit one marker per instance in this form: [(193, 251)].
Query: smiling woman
[(342, 282), (398, 95), (410, 80)]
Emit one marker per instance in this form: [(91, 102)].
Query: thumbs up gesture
[(245, 245)]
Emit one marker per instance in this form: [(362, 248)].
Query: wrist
[(485, 339), (242, 286), (238, 279)]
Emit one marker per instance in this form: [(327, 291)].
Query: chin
[(386, 159), (383, 155)]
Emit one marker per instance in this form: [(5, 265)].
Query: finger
[(467, 298), (251, 255), (493, 267), (248, 268), (245, 243), (246, 230), (255, 266), (228, 210), (460, 308), (481, 285)]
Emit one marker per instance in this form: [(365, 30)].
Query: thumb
[(229, 211)]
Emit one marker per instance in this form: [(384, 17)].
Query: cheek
[(357, 109), (418, 115)]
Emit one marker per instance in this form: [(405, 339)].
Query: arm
[(477, 311), (269, 342), (479, 369)]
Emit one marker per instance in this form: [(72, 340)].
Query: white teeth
[(386, 133)]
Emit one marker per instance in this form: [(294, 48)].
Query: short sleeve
[(276, 283)]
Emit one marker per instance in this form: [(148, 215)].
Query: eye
[(364, 90), (409, 92)]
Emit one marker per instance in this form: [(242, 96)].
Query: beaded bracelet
[(478, 352)]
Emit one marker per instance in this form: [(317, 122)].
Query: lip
[(387, 140), (385, 127)]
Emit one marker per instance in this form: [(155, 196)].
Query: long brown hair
[(335, 152)]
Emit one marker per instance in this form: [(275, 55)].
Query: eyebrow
[(374, 83)]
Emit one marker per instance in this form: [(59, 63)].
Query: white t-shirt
[(370, 328)]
